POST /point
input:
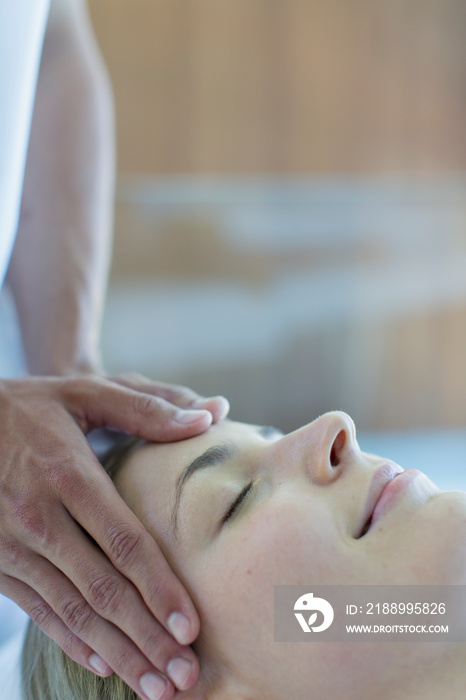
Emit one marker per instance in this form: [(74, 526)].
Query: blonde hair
[(47, 672)]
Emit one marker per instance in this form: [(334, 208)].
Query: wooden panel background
[(286, 85), (292, 87), (293, 297)]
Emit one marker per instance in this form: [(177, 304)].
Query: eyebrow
[(213, 457)]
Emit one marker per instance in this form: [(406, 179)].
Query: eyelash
[(237, 502)]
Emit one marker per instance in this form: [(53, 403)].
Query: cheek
[(282, 544), (275, 545)]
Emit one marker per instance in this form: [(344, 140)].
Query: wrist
[(67, 365)]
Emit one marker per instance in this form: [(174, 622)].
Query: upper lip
[(382, 476)]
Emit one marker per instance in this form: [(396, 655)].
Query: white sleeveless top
[(22, 27)]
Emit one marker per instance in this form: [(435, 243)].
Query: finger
[(44, 617), (93, 501), (218, 406), (113, 597), (180, 396), (110, 644), (96, 403), (132, 551), (137, 556)]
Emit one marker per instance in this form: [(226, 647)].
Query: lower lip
[(393, 491)]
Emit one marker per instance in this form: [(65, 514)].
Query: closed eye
[(237, 502)]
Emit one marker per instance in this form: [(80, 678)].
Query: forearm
[(59, 266)]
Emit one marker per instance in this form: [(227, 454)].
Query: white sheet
[(10, 688)]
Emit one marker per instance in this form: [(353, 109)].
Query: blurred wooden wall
[(286, 85), (318, 87)]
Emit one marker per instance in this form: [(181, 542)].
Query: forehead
[(174, 456), (147, 480)]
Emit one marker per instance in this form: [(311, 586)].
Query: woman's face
[(241, 508)]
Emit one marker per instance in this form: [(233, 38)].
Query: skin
[(298, 525), (52, 488)]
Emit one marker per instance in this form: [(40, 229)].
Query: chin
[(441, 540), (422, 546)]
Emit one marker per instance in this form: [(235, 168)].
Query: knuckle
[(68, 480), (59, 471), (76, 614), (69, 484), (181, 394), (157, 596), (30, 521), (125, 658), (35, 525), (75, 387), (78, 391), (145, 406), (41, 614), (63, 464), (70, 645), (91, 382), (158, 644), (124, 545), (14, 555), (105, 594)]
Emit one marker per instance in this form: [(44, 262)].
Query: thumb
[(97, 403)]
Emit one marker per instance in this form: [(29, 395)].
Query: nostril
[(337, 447)]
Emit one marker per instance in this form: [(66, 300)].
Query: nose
[(325, 447)]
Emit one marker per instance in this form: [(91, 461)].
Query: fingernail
[(187, 417), (202, 402), (221, 408), (98, 664), (153, 686), (198, 403), (180, 628), (225, 406), (179, 671)]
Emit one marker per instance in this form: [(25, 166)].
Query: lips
[(382, 477)]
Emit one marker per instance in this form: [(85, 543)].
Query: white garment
[(10, 665), (22, 27)]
